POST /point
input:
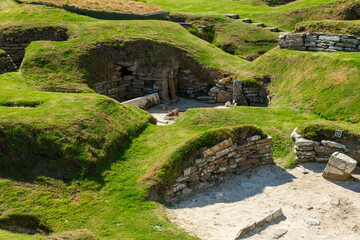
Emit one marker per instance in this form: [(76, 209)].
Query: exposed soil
[(220, 211)]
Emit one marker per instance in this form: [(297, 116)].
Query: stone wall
[(326, 42), (320, 151), (235, 92), (15, 41), (6, 63), (224, 159)]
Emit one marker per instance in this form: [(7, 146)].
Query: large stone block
[(238, 94), (292, 40), (339, 167)]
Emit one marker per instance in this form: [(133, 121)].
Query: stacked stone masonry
[(6, 63), (236, 93), (320, 151), (326, 42), (224, 159), (15, 42)]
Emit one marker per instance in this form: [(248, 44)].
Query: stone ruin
[(318, 41), (15, 42), (224, 159), (320, 151), (145, 68)]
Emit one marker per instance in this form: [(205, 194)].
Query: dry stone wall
[(14, 42), (320, 151), (6, 63), (235, 92), (221, 160), (326, 42)]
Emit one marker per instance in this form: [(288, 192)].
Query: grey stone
[(339, 167), (307, 206), (238, 94), (253, 138), (312, 221), (302, 142), (295, 135), (231, 15), (279, 233), (333, 144), (330, 38), (219, 195)]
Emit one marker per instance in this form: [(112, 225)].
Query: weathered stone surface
[(145, 102), (259, 223), (295, 135), (238, 95), (253, 138), (218, 147), (279, 233), (332, 144), (291, 40), (312, 221), (231, 15), (302, 142), (223, 96), (339, 167)]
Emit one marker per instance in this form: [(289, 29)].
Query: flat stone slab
[(339, 167), (231, 15), (144, 102), (218, 147), (259, 223)]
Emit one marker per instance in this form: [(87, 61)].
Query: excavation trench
[(220, 211)]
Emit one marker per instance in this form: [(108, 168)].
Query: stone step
[(272, 29), (259, 24), (246, 20), (231, 15)]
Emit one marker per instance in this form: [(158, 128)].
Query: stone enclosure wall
[(222, 160), (320, 151), (14, 42), (6, 63), (141, 68), (326, 42)]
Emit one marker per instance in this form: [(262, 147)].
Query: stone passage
[(319, 151), (221, 160), (326, 42)]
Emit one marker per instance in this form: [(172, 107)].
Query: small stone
[(279, 233), (312, 221), (307, 206), (163, 107), (253, 138), (219, 195), (334, 201), (228, 104)]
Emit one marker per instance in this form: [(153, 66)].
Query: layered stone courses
[(14, 43), (221, 160), (319, 151), (326, 42)]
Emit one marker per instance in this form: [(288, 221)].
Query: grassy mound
[(7, 3), (233, 36), (60, 134), (331, 26), (325, 83), (284, 16), (274, 3), (123, 6)]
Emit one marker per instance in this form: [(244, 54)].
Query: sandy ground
[(300, 192), (182, 104)]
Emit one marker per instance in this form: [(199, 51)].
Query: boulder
[(339, 167)]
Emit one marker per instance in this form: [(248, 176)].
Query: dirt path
[(300, 192), (182, 104)]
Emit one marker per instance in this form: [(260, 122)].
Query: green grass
[(326, 83), (7, 3), (331, 26), (65, 120), (285, 16), (235, 37)]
